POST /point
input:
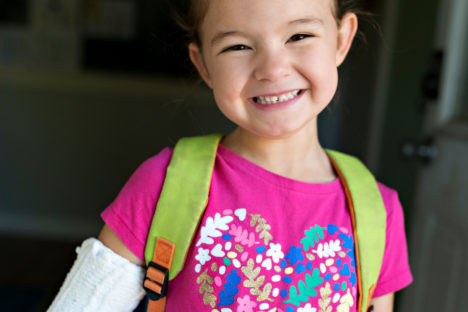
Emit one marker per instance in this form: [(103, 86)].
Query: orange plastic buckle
[(156, 281)]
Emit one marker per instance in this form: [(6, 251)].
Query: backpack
[(187, 187)]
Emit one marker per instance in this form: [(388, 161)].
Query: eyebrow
[(224, 34), (301, 21)]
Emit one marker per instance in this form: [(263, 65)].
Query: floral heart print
[(241, 268)]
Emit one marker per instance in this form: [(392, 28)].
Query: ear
[(346, 33), (197, 59)]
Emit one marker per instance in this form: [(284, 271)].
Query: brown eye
[(238, 47), (298, 37)]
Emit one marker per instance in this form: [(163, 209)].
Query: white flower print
[(212, 228), (307, 308), (275, 252), (326, 250), (203, 255)]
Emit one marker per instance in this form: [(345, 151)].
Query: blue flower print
[(226, 296), (294, 255), (348, 244), (352, 279)]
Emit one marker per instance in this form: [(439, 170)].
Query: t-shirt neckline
[(238, 162)]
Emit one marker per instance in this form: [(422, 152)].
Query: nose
[(272, 65)]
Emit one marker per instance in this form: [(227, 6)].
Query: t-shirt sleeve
[(131, 213), (395, 273)]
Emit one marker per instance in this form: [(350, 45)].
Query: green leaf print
[(312, 237), (296, 299), (308, 291), (305, 291), (311, 282)]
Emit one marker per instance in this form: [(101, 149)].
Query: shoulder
[(391, 202), (395, 214), (386, 191), (149, 174), (157, 163), (151, 171), (148, 178)]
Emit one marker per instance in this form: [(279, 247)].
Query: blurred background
[(89, 89)]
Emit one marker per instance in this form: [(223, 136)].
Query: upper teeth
[(277, 99)]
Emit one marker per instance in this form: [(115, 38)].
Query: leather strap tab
[(163, 255)]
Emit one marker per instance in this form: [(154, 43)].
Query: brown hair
[(358, 7), (191, 18)]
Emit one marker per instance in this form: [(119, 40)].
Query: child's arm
[(383, 304), (114, 243), (106, 277)]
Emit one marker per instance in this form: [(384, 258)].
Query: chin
[(276, 132)]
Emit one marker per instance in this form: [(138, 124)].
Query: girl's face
[(272, 64)]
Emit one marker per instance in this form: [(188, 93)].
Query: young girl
[(272, 65)]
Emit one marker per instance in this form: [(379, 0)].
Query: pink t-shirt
[(265, 241)]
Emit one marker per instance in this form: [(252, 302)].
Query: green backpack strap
[(369, 221), (183, 197)]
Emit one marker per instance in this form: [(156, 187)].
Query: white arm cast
[(100, 280)]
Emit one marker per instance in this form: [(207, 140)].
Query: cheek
[(321, 72), (229, 80)]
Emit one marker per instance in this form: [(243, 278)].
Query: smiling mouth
[(267, 100)]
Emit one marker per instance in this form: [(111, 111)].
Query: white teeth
[(277, 99)]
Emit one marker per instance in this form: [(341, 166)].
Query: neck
[(298, 157)]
